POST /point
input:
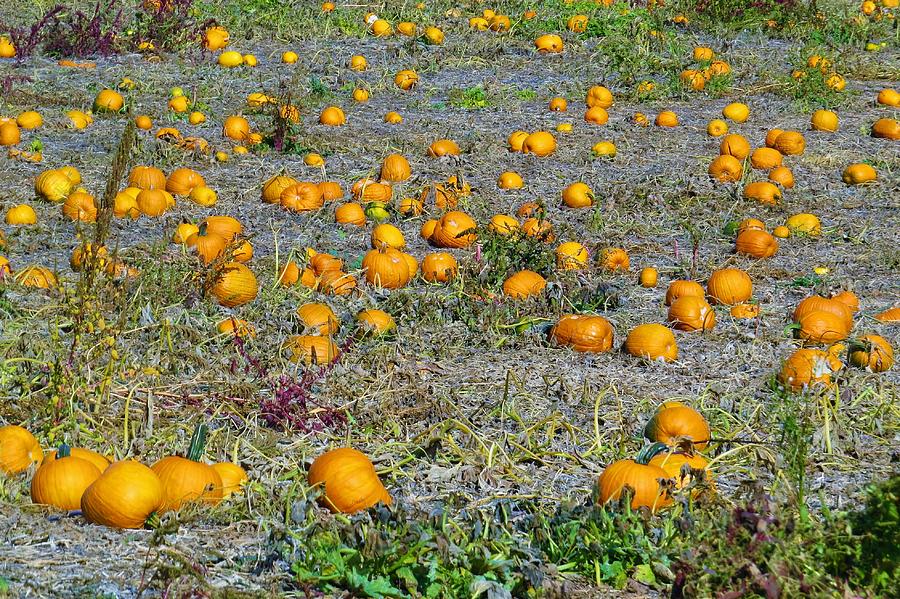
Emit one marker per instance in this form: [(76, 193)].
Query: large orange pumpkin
[(348, 479), (583, 333), (647, 483)]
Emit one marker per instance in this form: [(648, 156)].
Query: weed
[(74, 33), (472, 98)]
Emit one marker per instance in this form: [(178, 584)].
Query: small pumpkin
[(578, 195), (819, 326), (783, 176), (439, 267), (673, 422), (872, 352), (886, 129), (859, 173), (319, 318), (271, 191), (648, 277), (539, 143), (666, 118), (824, 120), (350, 213), (53, 185), (599, 96), (524, 284), (647, 483), (375, 322), (62, 481), (235, 285), (23, 214), (735, 145), (510, 180), (682, 287), (766, 159), (549, 43), (503, 224), (756, 243), (348, 480), (186, 479), (233, 478), (571, 256), (125, 496), (18, 449), (653, 342), (36, 276), (80, 206), (790, 143), (804, 224), (147, 177), (443, 147), (583, 333), (614, 259), (332, 116), (806, 367), (726, 168), (680, 464), (311, 349)]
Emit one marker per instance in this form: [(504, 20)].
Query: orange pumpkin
[(872, 352), (187, 479), (235, 285), (583, 333), (673, 422), (439, 267), (18, 449), (348, 480), (729, 286), (646, 483), (524, 284), (653, 342), (691, 313), (454, 230), (756, 243)]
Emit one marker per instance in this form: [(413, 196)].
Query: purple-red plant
[(76, 34), (27, 39), (170, 24)]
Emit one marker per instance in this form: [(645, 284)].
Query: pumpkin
[(756, 243), (516, 140), (824, 120), (859, 173), (716, 128), (765, 158), (886, 129), (790, 143), (62, 481), (439, 267), (29, 120), (182, 180), (578, 195), (726, 168), (783, 176), (233, 477), (806, 367), (407, 28), (23, 214), (303, 196), (523, 284), (376, 322), (271, 191), (406, 79), (78, 119), (817, 303), (751, 223), (666, 118), (83, 253), (737, 112), (614, 259), (596, 115), (7, 49), (319, 318), (393, 117), (679, 465), (367, 190), (691, 313), (503, 224), (558, 104), (358, 63), (771, 136), (18, 449), (334, 282), (539, 143), (215, 38), (147, 177), (207, 245), (849, 299), (681, 287), (735, 145), (36, 276), (151, 202), (53, 185), (332, 116), (693, 78), (645, 482), (235, 327), (763, 192), (187, 479), (673, 422), (386, 267), (804, 224), (322, 263), (454, 230), (604, 149), (510, 180), (571, 256), (745, 310), (549, 43), (599, 96), (236, 127), (888, 97), (538, 228), (108, 100), (348, 481), (235, 285), (648, 277), (872, 352), (583, 333), (729, 286), (80, 206), (89, 455), (395, 168), (819, 326), (703, 54), (125, 496), (653, 342), (311, 349), (350, 213)]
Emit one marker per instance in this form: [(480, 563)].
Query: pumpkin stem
[(64, 451), (647, 453), (198, 442)]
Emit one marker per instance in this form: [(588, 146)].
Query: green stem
[(198, 442), (648, 452), (64, 451)]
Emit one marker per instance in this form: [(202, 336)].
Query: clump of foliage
[(170, 24), (75, 33), (501, 255), (28, 39)]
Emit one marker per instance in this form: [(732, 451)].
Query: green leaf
[(643, 573), (613, 574)]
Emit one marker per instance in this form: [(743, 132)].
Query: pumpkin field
[(450, 298)]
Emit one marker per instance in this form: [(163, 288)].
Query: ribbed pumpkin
[(454, 230), (726, 168), (652, 341), (331, 190), (539, 143), (387, 235), (571, 256), (375, 322), (849, 299), (367, 190), (764, 192), (806, 367), (756, 243), (443, 147), (125, 496), (348, 479), (233, 477), (691, 313), (311, 349), (271, 191), (36, 276), (208, 246), (872, 352), (187, 479), (439, 267), (395, 168), (729, 286), (18, 449), (236, 128), (822, 327), (147, 177), (235, 285), (350, 213), (182, 180), (227, 227), (647, 483), (386, 267), (673, 422), (80, 206), (319, 318), (524, 284), (682, 287), (889, 315), (61, 482), (583, 333), (82, 453), (53, 185), (817, 303)]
